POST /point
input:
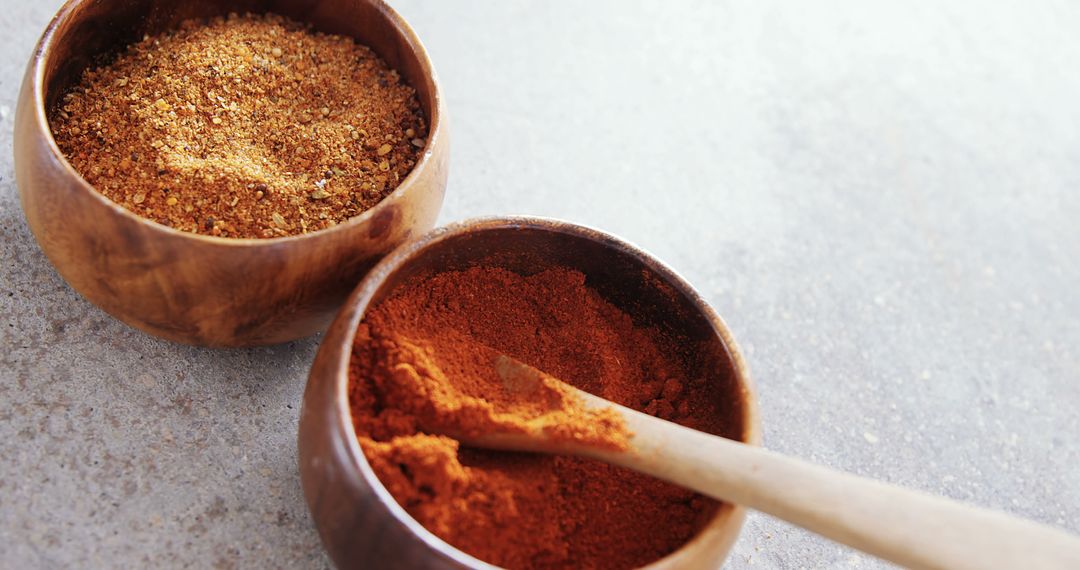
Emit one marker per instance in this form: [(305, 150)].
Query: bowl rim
[(44, 51), (359, 301)]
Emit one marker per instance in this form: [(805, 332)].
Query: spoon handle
[(907, 527)]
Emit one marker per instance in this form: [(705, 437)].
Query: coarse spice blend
[(248, 126)]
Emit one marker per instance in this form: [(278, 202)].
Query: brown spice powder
[(246, 126), (520, 510)]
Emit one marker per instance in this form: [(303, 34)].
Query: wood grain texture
[(360, 523), (911, 528), (200, 289)]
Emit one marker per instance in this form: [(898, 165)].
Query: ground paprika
[(521, 510)]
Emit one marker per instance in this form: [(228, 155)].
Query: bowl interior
[(638, 285), (93, 32), (634, 282)]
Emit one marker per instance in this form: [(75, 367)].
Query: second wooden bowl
[(360, 523), (193, 288)]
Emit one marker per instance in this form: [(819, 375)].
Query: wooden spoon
[(900, 525)]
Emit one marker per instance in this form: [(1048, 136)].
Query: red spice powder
[(465, 396), (522, 510)]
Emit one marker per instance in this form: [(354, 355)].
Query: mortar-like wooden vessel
[(360, 523), (193, 288)]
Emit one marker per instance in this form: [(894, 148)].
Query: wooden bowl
[(360, 523), (200, 289)]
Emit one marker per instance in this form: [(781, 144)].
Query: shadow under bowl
[(359, 521), (200, 289)]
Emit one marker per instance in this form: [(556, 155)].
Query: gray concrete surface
[(881, 198)]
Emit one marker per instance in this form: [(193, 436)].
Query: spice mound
[(466, 397), (246, 126), (425, 355)]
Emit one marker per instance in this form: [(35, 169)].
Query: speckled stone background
[(881, 198)]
